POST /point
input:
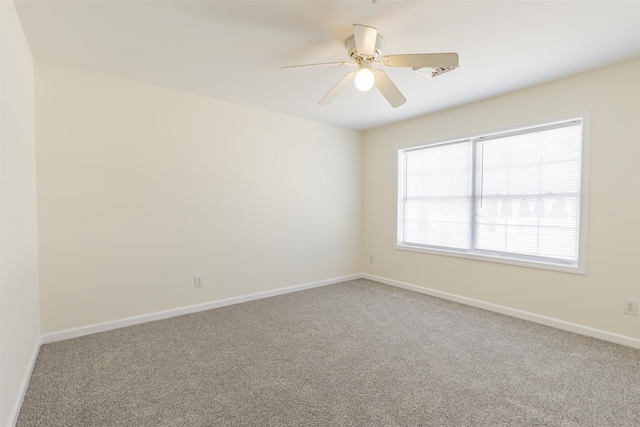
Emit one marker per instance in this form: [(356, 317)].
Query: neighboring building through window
[(514, 196)]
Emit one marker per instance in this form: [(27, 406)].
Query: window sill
[(497, 259)]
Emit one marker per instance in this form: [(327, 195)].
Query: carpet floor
[(357, 353)]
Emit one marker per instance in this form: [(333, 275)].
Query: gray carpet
[(357, 353)]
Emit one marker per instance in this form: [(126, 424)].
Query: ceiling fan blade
[(321, 64), (365, 39), (432, 72), (388, 89), (422, 60), (348, 78)]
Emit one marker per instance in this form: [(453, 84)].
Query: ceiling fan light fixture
[(364, 48), (364, 79)]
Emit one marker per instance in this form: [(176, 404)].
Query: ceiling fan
[(364, 49)]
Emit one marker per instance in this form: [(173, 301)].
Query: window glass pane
[(514, 194), (438, 196), (527, 197)]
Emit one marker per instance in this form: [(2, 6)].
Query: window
[(513, 196)]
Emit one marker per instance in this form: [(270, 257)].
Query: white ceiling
[(231, 50)]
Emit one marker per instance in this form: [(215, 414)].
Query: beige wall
[(137, 197), (19, 311), (140, 188), (593, 300)]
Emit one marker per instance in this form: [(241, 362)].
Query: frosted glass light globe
[(364, 77)]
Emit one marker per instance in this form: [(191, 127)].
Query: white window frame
[(506, 258)]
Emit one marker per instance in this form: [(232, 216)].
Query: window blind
[(528, 193), (514, 194), (438, 196)]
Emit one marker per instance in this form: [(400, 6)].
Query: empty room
[(312, 212)]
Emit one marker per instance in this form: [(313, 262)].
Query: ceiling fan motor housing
[(350, 44)]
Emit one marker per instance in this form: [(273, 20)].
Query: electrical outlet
[(631, 307), (197, 281)]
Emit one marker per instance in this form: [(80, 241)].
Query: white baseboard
[(15, 410), (532, 317), (159, 315), (544, 320)]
